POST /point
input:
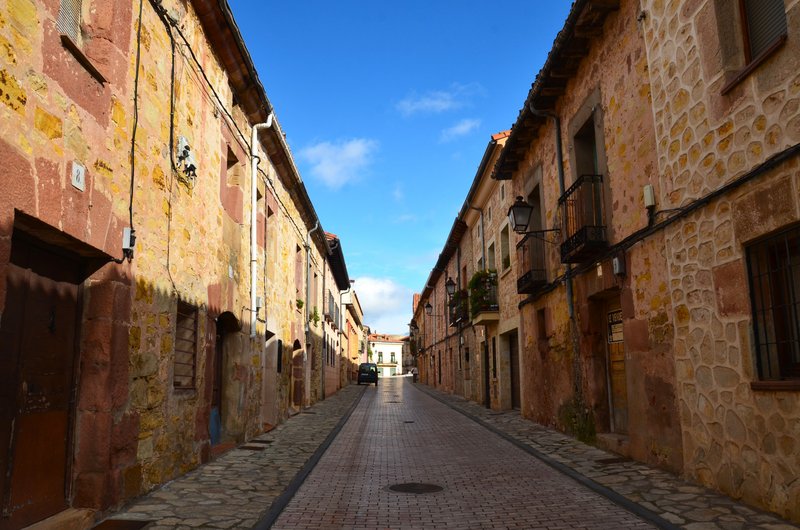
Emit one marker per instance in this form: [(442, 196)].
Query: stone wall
[(737, 437)]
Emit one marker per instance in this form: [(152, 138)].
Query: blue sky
[(388, 108)]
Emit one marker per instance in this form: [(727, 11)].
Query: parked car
[(368, 373)]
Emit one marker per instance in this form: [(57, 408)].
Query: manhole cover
[(409, 421), (415, 487), (394, 402), (308, 412), (249, 447), (257, 441)]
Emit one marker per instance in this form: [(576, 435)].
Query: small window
[(490, 264), (763, 26), (774, 270), (185, 359), (280, 356), (69, 20), (394, 360), (380, 356)]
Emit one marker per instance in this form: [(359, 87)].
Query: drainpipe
[(254, 159), (570, 302)]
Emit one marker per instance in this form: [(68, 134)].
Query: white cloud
[(436, 101), (405, 218), (341, 162), (398, 192), (461, 128), (386, 304)]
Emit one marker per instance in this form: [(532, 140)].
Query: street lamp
[(450, 286), (413, 326), (519, 215), (428, 309)]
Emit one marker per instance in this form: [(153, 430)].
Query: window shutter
[(766, 21), (69, 19)]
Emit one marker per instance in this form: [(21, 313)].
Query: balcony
[(531, 257), (458, 308), (483, 298), (584, 220)]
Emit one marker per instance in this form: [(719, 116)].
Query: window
[(380, 356), (69, 20), (393, 358), (763, 26), (280, 355), (70, 16), (185, 360), (494, 357), (774, 270), (505, 253), (490, 258)]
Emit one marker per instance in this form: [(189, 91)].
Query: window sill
[(791, 385), (755, 63), (505, 271), (76, 51)]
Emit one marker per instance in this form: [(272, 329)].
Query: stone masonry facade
[(168, 366), (645, 343)]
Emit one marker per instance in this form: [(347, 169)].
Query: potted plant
[(482, 291)]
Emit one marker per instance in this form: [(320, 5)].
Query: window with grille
[(774, 269), (763, 26), (69, 19), (185, 360)]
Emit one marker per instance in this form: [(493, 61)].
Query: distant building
[(387, 353)]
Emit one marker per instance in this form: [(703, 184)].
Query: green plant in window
[(481, 290), (314, 316), (300, 303)]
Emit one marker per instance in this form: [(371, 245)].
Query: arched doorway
[(227, 325)]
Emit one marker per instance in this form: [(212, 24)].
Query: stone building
[(656, 161), (468, 338), (726, 106), (154, 249)]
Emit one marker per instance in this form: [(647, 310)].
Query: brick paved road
[(487, 481)]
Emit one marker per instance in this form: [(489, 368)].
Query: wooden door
[(37, 359), (616, 371)]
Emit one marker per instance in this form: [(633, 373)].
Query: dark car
[(368, 373)]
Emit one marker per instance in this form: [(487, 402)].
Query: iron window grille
[(531, 258), (774, 271), (185, 360)]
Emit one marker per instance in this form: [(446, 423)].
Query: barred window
[(69, 19), (774, 269), (185, 360), (763, 26)]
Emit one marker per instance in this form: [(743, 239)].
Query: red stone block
[(93, 443), (50, 191), (100, 300), (124, 441), (19, 188), (730, 286), (97, 337), (637, 336), (120, 364), (90, 490), (95, 388)]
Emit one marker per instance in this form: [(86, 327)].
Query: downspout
[(578, 375), (254, 159)]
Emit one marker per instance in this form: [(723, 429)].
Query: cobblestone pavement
[(236, 490), (684, 504), (401, 435)]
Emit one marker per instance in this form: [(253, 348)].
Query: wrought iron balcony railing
[(483, 294), (583, 213), (531, 258)]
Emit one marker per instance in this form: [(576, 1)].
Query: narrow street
[(400, 435), (332, 466)]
